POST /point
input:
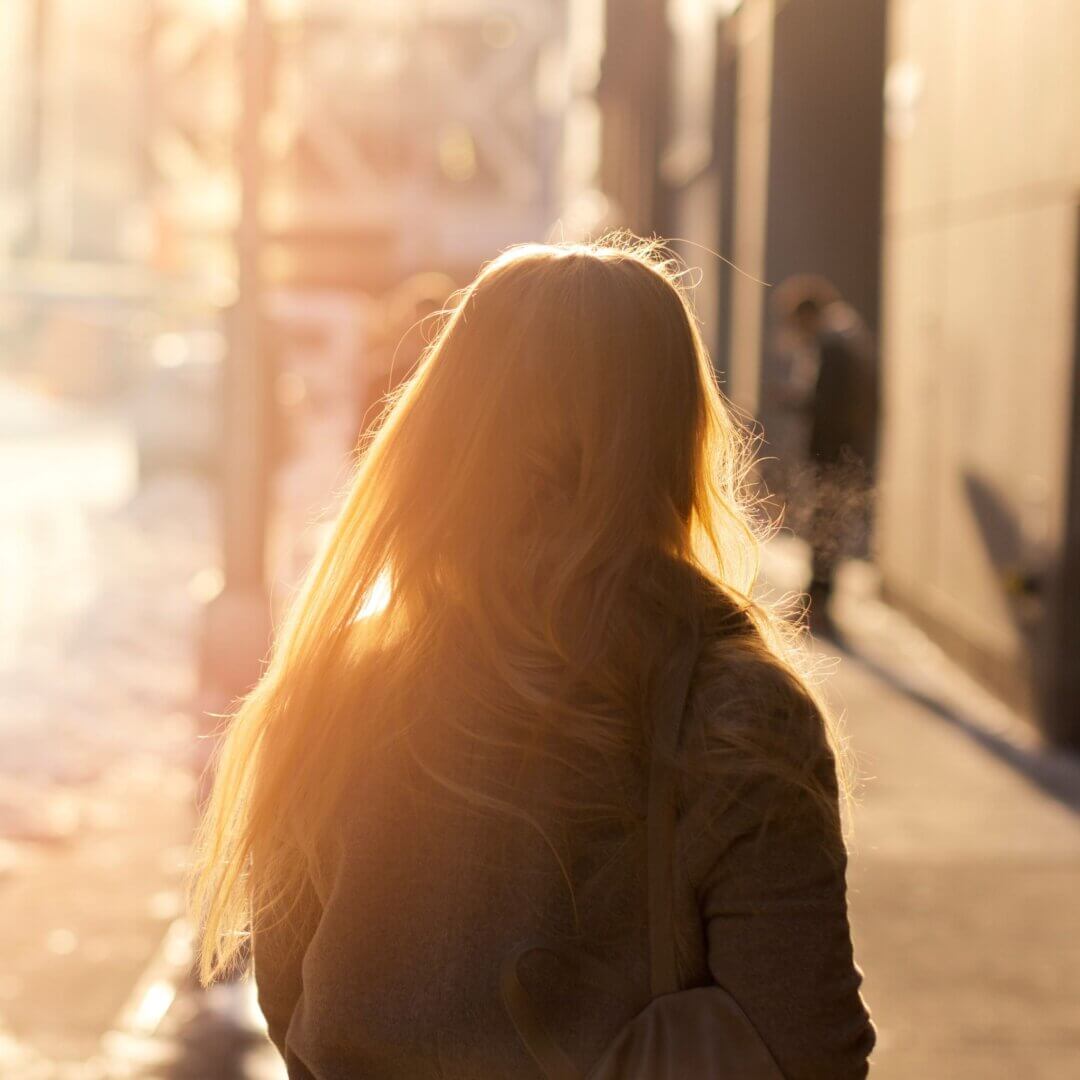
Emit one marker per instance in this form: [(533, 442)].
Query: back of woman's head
[(563, 424), (557, 484), (563, 401)]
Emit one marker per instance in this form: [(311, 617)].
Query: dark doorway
[(825, 147)]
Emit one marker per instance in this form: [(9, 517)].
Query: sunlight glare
[(377, 598)]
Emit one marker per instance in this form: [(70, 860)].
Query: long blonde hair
[(562, 439)]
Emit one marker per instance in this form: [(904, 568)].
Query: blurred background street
[(222, 223)]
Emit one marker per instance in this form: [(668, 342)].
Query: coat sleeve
[(279, 942), (771, 885)]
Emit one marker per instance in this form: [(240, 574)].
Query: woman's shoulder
[(738, 674), (751, 711), (743, 680), (756, 752)]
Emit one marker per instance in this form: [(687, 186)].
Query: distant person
[(530, 760), (829, 383)]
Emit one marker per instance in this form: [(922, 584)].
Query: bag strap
[(672, 698), (667, 709)]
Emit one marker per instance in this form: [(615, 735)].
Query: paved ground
[(963, 884), (101, 584), (965, 871)]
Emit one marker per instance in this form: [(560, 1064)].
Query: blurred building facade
[(70, 184), (413, 136), (396, 139), (925, 157), (399, 137), (922, 154), (979, 533)]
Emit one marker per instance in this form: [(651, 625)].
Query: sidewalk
[(96, 628), (963, 884), (965, 861)]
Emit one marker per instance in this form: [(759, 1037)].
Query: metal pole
[(245, 430), (238, 620)]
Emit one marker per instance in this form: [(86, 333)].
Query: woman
[(447, 755)]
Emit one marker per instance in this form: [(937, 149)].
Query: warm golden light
[(329, 425)]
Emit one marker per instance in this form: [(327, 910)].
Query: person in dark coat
[(449, 753), (829, 382)]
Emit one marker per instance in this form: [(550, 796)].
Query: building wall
[(689, 165), (633, 96), (979, 264), (752, 30)]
